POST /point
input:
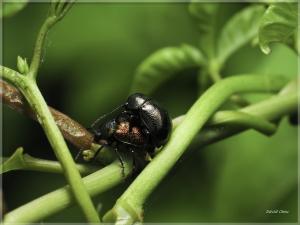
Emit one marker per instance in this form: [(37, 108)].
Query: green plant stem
[(62, 198), (239, 118), (270, 109), (134, 197), (29, 89), (20, 161), (213, 70), (49, 166), (58, 10), (36, 59)]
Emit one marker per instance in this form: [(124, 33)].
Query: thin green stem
[(28, 87), (20, 161), (57, 11), (270, 109), (36, 59), (134, 197), (50, 166), (239, 118), (214, 71), (62, 198)]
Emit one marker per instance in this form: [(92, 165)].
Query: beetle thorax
[(123, 129), (130, 134)]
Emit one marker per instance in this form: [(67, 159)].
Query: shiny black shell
[(155, 119)]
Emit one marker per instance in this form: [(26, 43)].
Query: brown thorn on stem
[(72, 131)]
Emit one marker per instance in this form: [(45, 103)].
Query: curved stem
[(36, 59), (28, 87), (271, 110), (60, 199), (242, 119), (214, 72), (58, 10), (134, 197)]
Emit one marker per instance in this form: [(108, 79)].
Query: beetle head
[(135, 101)]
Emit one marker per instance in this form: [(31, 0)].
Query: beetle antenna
[(105, 115), (121, 162)]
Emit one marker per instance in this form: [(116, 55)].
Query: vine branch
[(58, 10)]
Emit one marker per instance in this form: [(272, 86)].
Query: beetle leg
[(134, 163), (121, 161), (137, 161), (97, 152)]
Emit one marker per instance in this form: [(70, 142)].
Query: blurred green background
[(87, 70)]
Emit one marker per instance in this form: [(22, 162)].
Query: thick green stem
[(62, 198), (134, 197), (28, 87)]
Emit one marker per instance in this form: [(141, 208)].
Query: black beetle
[(139, 127), (154, 119)]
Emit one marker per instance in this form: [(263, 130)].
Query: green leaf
[(278, 24), (238, 31), (163, 65), (205, 15), (11, 8), (14, 162)]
